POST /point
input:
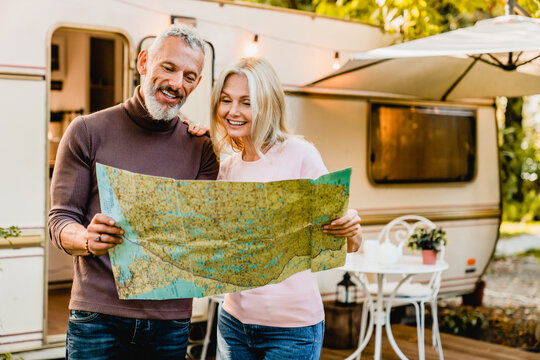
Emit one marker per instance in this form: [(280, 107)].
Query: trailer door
[(22, 200), (89, 71)]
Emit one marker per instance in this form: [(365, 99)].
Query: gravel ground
[(513, 281), (511, 302)]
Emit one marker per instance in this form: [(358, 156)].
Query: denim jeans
[(98, 336), (245, 342)]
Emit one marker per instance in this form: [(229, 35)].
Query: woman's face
[(234, 108)]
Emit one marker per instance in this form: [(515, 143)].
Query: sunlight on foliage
[(412, 19), (510, 228), (12, 231), (520, 160)]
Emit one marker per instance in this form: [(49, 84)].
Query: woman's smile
[(237, 123)]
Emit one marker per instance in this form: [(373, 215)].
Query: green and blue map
[(194, 238)]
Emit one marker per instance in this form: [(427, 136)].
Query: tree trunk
[(513, 112), (512, 142)]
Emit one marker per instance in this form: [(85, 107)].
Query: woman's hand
[(347, 226), (196, 129)]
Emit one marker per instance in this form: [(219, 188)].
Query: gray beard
[(157, 110)]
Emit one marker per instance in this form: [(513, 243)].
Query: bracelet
[(88, 252)]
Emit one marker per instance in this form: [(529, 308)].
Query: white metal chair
[(213, 303), (409, 292)]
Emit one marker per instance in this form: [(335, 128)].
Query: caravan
[(63, 58)]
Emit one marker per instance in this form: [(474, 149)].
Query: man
[(142, 135)]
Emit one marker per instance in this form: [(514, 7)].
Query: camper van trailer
[(63, 58)]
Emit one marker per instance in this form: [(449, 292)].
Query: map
[(194, 238)]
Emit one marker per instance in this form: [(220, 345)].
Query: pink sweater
[(295, 301)]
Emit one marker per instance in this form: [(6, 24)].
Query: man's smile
[(169, 96)]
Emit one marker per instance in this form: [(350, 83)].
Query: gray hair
[(184, 32)]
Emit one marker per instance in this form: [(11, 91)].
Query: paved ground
[(512, 280), (512, 291)]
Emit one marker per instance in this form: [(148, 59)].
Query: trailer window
[(419, 144)]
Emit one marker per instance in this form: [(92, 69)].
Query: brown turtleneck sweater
[(126, 137)]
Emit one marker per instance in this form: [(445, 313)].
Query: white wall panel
[(21, 294), (22, 153)]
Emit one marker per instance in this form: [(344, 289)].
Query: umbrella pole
[(458, 80), (509, 8)]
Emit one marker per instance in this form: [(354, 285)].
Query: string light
[(336, 65), (253, 47)]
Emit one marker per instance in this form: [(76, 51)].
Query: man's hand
[(196, 129), (347, 226), (102, 235)]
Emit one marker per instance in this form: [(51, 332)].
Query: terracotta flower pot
[(429, 257)]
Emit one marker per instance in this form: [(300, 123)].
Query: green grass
[(530, 252), (509, 229)]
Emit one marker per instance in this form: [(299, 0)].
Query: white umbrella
[(495, 57)]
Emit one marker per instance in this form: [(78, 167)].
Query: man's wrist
[(73, 240)]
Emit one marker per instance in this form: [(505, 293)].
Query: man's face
[(170, 75)]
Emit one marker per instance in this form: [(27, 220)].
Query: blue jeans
[(98, 336), (245, 342)]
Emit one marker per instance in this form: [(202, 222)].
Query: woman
[(284, 320)]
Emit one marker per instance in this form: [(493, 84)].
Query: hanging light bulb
[(253, 47), (336, 65)]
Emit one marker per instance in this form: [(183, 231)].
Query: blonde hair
[(268, 108)]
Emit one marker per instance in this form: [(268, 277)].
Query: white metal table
[(407, 266)]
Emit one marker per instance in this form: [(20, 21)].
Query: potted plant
[(430, 241)]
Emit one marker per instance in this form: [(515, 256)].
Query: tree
[(411, 18), (520, 164)]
